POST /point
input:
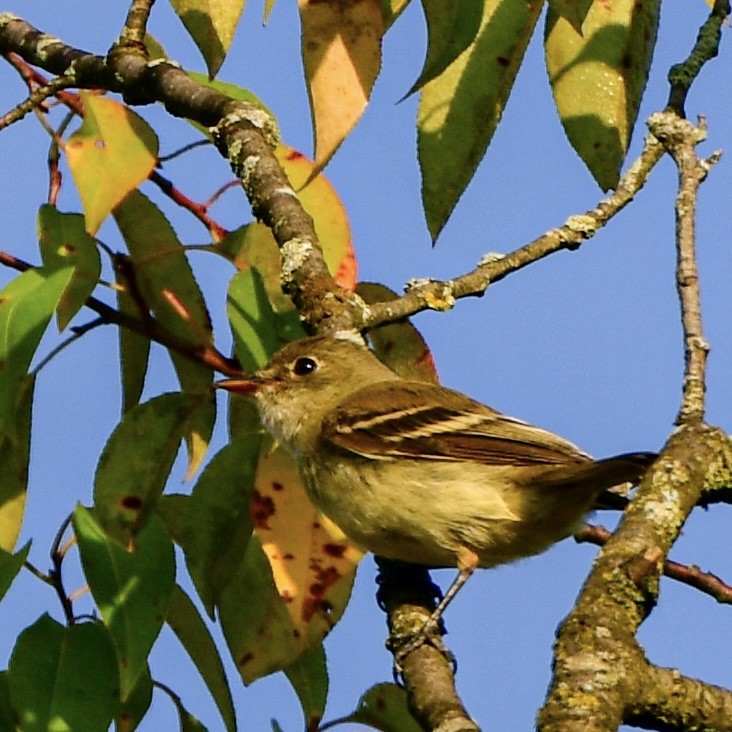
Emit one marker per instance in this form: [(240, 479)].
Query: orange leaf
[(308, 554), (321, 201), (254, 245), (112, 152), (341, 52)]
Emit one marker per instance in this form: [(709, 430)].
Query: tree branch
[(407, 595), (666, 700), (207, 356), (434, 295), (598, 663), (681, 76), (136, 23), (244, 133), (680, 138), (35, 99), (690, 575)]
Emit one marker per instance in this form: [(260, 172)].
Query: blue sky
[(587, 344)]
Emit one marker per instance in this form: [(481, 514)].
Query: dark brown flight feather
[(453, 428)]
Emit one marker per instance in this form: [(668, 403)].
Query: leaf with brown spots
[(137, 459), (296, 577), (308, 554), (64, 242)]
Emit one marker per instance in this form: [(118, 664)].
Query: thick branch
[(691, 575), (244, 133), (671, 701), (599, 669), (407, 595)]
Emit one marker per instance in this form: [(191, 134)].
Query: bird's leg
[(467, 561)]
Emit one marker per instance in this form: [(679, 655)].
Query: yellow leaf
[(308, 554), (211, 24), (341, 51), (112, 152)]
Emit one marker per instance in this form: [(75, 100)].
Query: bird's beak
[(248, 385)]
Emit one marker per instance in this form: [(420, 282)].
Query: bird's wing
[(424, 420)]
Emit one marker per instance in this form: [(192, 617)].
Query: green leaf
[(7, 714), (135, 706), (253, 322), (598, 77), (309, 677), (384, 707), (188, 723), (137, 459), (573, 11), (451, 28), (254, 620), (112, 152), (134, 347), (166, 285), (14, 457), (392, 9), (460, 109), (131, 589), (10, 565), (64, 242), (26, 306), (192, 632), (219, 523), (211, 24), (173, 509), (64, 678)]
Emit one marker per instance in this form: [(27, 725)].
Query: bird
[(417, 472)]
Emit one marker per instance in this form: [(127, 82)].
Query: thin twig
[(691, 575), (77, 332), (199, 210), (57, 558), (54, 171), (182, 150), (36, 98), (206, 355), (434, 295), (680, 138), (37, 573), (681, 76), (236, 183)]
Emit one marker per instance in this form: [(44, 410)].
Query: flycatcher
[(420, 473)]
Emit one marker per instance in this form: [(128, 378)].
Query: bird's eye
[(304, 366)]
